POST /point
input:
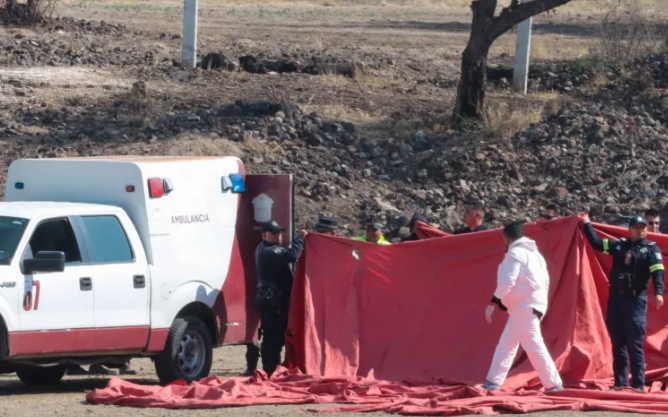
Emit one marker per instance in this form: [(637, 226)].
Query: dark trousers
[(253, 354), (626, 321), (274, 324)]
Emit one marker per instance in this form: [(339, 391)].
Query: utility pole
[(522, 53), (189, 59)]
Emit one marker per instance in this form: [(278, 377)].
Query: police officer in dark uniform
[(327, 226), (474, 219), (275, 274), (634, 262)]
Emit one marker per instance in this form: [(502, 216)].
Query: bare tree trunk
[(485, 29), (471, 90), (11, 5), (33, 6)]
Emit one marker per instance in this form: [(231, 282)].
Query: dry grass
[(597, 5), (334, 81), (342, 112), (579, 5), (629, 31), (541, 48), (262, 146), (317, 42), (372, 79), (546, 46), (506, 117), (201, 145), (551, 47), (363, 78)]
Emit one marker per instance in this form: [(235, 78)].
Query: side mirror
[(45, 261)]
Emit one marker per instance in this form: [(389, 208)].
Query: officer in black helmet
[(634, 262), (326, 225), (275, 274)]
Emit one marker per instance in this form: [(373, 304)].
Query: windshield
[(11, 230)]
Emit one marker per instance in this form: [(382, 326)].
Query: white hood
[(526, 243), (522, 278)]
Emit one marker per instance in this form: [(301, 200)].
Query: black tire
[(188, 352), (40, 376)]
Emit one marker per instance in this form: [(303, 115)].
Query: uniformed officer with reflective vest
[(634, 262), (275, 273), (374, 233)]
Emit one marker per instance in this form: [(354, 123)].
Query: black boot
[(252, 358)]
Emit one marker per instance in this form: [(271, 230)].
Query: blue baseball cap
[(636, 220)]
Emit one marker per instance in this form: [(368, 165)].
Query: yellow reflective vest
[(381, 241)]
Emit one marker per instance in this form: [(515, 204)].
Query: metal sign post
[(190, 33), (522, 52)]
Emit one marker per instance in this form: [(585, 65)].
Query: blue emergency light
[(234, 183), (238, 185)]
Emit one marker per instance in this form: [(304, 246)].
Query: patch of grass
[(371, 79), (504, 119), (541, 48), (588, 63), (342, 113), (201, 145), (262, 146)]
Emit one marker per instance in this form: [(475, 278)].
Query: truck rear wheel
[(188, 352), (37, 375)]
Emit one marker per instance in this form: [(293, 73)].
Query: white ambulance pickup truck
[(106, 259)]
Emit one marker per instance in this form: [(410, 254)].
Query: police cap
[(375, 223), (636, 220), (326, 223), (271, 227)]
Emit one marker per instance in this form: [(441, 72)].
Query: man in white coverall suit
[(522, 287)]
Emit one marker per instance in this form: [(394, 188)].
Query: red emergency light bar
[(155, 188), (158, 187)]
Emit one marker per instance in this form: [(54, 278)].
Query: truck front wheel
[(188, 352), (37, 375)]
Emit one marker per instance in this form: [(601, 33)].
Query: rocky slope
[(604, 152)]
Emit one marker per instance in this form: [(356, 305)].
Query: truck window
[(56, 235), (11, 231), (110, 243)]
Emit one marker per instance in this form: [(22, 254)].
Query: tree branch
[(517, 13)]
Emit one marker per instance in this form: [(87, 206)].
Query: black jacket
[(646, 261), (414, 236), (274, 263), (467, 229), (410, 238)]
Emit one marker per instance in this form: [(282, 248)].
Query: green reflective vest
[(381, 241)]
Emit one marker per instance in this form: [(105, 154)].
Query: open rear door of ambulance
[(267, 197)]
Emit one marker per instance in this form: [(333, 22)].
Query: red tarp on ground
[(414, 312)]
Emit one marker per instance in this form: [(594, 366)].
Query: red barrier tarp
[(358, 394), (414, 312)]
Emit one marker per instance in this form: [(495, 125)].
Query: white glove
[(488, 314)]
